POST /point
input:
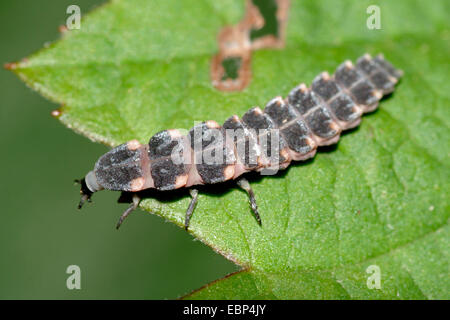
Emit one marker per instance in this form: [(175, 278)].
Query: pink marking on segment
[(350, 125), (193, 177), (181, 181), (311, 143), (335, 127), (320, 141), (146, 170), (174, 134), (275, 166), (303, 88), (300, 157), (212, 124), (378, 94), (278, 100), (285, 154), (349, 64), (239, 169), (228, 173), (133, 145), (345, 125), (392, 79), (137, 184), (257, 110), (325, 76), (326, 141), (371, 107)]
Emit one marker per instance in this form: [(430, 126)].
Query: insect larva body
[(288, 129)]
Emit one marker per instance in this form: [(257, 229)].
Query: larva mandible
[(210, 153)]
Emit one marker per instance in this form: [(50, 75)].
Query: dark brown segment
[(295, 134), (297, 138), (321, 123), (303, 99), (267, 135), (339, 102), (280, 112), (388, 67), (256, 119), (116, 169), (120, 178), (344, 108), (166, 174), (376, 74), (163, 143), (317, 117), (166, 153), (212, 154), (117, 156), (211, 174), (347, 75), (366, 65), (234, 123), (272, 145), (213, 164), (364, 93), (248, 151), (325, 87), (246, 141), (381, 81), (205, 134)]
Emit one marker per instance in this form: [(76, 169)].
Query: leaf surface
[(379, 198)]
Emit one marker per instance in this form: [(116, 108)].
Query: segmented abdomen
[(288, 129)]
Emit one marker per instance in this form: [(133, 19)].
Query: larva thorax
[(286, 130)]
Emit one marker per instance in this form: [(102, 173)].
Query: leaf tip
[(10, 65), (16, 65)]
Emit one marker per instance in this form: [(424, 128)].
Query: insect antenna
[(84, 191)]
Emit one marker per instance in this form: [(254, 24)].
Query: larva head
[(89, 185), (120, 169)]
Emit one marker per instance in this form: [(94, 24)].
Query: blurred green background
[(41, 231)]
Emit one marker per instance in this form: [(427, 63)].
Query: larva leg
[(245, 185), (190, 209), (130, 209)]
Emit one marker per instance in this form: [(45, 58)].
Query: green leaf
[(379, 198)]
